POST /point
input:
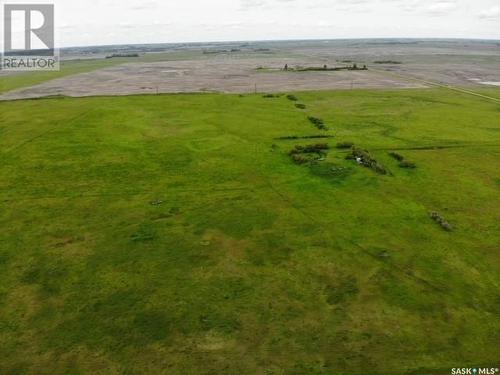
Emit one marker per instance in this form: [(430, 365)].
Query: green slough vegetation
[(158, 234)]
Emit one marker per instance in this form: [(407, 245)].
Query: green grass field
[(174, 234)]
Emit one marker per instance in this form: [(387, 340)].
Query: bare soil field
[(239, 70), (214, 75)]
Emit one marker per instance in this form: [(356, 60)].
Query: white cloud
[(493, 12), (159, 21), (441, 7), (145, 5)]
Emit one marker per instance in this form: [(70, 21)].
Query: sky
[(101, 22)]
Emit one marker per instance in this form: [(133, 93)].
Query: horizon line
[(286, 40)]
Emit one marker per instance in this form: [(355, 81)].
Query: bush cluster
[(364, 158), (441, 221), (309, 153), (291, 97), (300, 106), (310, 149), (321, 136), (319, 123), (402, 162), (345, 145), (407, 165), (300, 159), (396, 156)]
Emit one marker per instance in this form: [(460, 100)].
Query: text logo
[(29, 37), (474, 371)]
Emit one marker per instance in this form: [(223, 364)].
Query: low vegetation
[(345, 145), (292, 137), (402, 162), (308, 154), (441, 221), (317, 122), (325, 68), (364, 158), (115, 55), (407, 164), (310, 149), (396, 156), (388, 62)]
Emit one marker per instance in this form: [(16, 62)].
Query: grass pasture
[(174, 234)]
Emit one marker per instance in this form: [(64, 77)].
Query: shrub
[(319, 123), (317, 136), (364, 158), (362, 154), (315, 148), (320, 136), (344, 145), (267, 96), (379, 168), (300, 106), (310, 149), (299, 159), (407, 165), (316, 120), (441, 221), (308, 154), (396, 156), (291, 97)]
